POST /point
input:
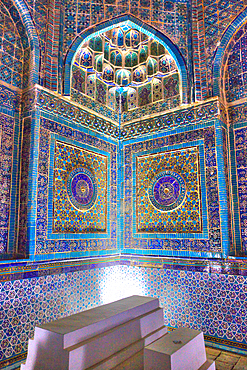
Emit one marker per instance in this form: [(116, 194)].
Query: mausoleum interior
[(123, 163)]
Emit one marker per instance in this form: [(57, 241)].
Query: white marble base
[(103, 336), (208, 365), (131, 334), (181, 349), (126, 334)]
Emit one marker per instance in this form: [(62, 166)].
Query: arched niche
[(127, 59), (224, 47), (19, 31)]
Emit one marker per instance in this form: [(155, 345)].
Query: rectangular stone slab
[(97, 349), (53, 342), (183, 348), (84, 325), (208, 365)]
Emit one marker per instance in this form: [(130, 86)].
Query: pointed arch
[(28, 24), (219, 59), (134, 22)]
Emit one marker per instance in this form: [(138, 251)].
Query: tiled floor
[(227, 360)]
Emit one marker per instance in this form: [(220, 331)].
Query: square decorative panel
[(168, 192), (79, 190), (76, 198)]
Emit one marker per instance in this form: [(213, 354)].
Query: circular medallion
[(167, 190), (81, 188)]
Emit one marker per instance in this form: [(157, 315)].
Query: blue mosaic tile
[(6, 158)]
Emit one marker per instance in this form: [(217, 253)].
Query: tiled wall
[(235, 90), (45, 195), (203, 296), (194, 227), (169, 17), (241, 171), (40, 17), (23, 210), (57, 25), (50, 240), (199, 294), (9, 126), (236, 72), (237, 136), (6, 158), (213, 19), (15, 52)]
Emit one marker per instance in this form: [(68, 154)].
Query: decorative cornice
[(25, 270), (22, 270), (219, 266), (60, 106), (191, 115)]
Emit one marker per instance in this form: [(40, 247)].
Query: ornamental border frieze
[(9, 99), (229, 267), (180, 118), (190, 115), (78, 115), (237, 113), (37, 269), (27, 270)]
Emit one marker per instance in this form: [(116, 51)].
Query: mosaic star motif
[(80, 190), (168, 192)]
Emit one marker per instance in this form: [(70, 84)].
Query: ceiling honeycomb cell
[(124, 69)]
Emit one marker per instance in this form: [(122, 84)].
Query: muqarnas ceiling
[(125, 70)]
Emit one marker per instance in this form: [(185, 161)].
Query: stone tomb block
[(102, 337), (182, 349)]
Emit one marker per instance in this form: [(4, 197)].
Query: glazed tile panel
[(188, 222), (15, 51), (169, 17), (9, 99), (228, 180), (80, 190), (24, 188), (236, 72), (76, 195), (241, 164), (6, 154), (168, 192), (217, 16)]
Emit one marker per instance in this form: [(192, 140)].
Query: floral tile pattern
[(80, 190)]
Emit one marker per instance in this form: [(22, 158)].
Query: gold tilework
[(181, 216), (69, 216)]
